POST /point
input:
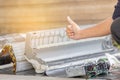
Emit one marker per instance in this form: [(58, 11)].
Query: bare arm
[(101, 29)]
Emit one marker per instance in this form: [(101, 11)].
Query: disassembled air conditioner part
[(17, 43), (114, 62), (7, 58), (53, 53)]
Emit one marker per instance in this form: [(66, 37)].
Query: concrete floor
[(31, 75), (13, 77)]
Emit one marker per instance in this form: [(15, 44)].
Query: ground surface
[(31, 75)]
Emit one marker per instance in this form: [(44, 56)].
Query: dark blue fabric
[(115, 27), (115, 30), (116, 13)]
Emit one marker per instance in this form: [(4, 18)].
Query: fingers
[(69, 34), (69, 31), (71, 21), (72, 29)]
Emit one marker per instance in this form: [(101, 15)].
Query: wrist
[(82, 34)]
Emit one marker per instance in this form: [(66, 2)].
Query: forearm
[(100, 29)]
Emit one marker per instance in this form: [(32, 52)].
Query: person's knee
[(115, 30)]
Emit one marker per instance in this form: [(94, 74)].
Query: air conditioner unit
[(53, 53)]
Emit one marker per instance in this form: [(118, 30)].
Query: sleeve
[(115, 30), (116, 13)]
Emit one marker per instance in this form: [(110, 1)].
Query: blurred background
[(29, 15)]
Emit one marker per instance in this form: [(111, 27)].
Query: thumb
[(69, 27), (70, 21)]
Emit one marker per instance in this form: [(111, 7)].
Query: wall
[(27, 15)]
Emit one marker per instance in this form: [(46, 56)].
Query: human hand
[(72, 29)]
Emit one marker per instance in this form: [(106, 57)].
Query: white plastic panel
[(53, 49)]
